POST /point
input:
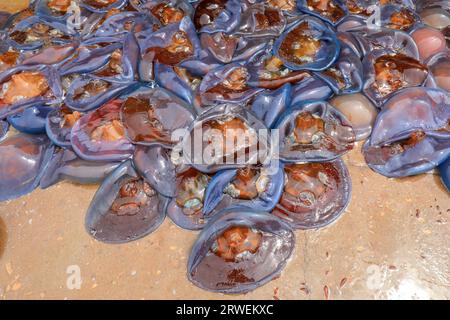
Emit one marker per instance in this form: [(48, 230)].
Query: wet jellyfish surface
[(253, 187), (314, 132), (240, 251), (59, 124), (224, 137), (411, 133), (314, 194), (125, 208), (359, 111), (307, 45), (444, 171), (439, 67), (217, 15), (436, 17), (429, 41), (331, 11), (385, 73), (100, 135), (4, 127), (150, 116), (23, 159), (66, 165), (186, 207)]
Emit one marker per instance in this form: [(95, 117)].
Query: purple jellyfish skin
[(151, 115), (250, 25), (444, 171), (270, 104), (52, 96), (90, 5), (214, 90), (346, 75), (226, 21), (313, 132), (124, 208), (438, 65), (57, 129), (77, 98), (88, 147), (23, 26), (4, 128), (154, 164), (333, 18), (310, 89), (24, 159), (387, 39), (167, 77), (210, 271), (323, 193), (152, 42), (91, 56), (31, 120), (409, 136), (221, 192), (66, 165), (120, 24), (326, 55)]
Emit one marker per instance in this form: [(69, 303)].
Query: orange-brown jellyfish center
[(24, 86), (326, 8), (133, 195), (69, 117), (114, 66), (355, 8), (402, 19), (308, 128), (286, 5), (167, 14), (110, 131), (267, 19), (99, 4), (306, 183), (59, 6), (235, 241), (90, 89), (248, 184), (8, 59), (191, 190), (390, 72), (187, 77), (151, 128), (300, 46), (178, 50), (207, 11)]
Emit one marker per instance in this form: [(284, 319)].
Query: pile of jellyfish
[(92, 91)]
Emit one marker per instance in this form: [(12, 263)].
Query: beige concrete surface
[(392, 242)]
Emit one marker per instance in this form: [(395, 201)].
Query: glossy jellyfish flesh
[(4, 127), (66, 165), (59, 123), (439, 67), (429, 41), (411, 133), (331, 11), (150, 116), (314, 132), (261, 20), (24, 158), (31, 120), (307, 45), (125, 208), (253, 187), (240, 251), (102, 5), (217, 15), (385, 73), (224, 137), (100, 135), (24, 86), (155, 165), (314, 194), (224, 84), (186, 207)]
